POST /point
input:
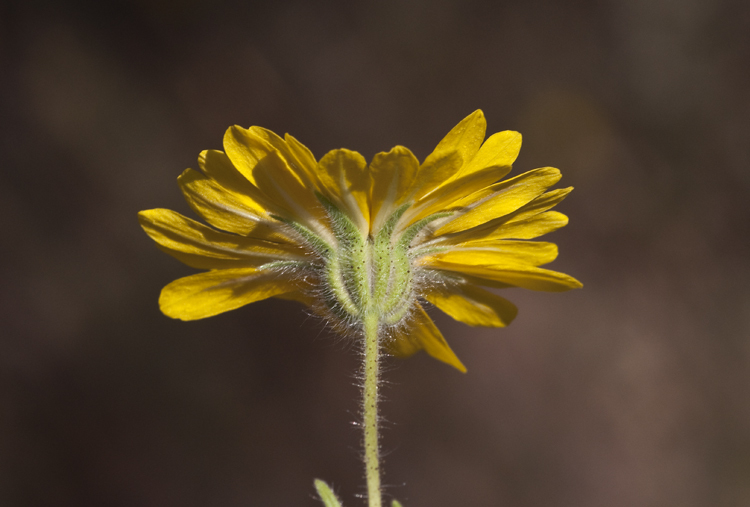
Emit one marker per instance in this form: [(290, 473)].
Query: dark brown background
[(631, 392)]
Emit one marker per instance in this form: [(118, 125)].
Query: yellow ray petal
[(541, 204), (275, 179), (465, 138), (393, 175), (217, 166), (438, 168), (270, 139), (240, 146), (260, 156), (527, 222), (246, 147), (472, 305), (489, 165), (227, 210), (528, 182), (500, 199), (301, 156), (499, 151), (496, 253), (346, 180), (529, 228), (214, 292), (475, 280), (201, 247), (421, 333), (296, 155), (527, 277)]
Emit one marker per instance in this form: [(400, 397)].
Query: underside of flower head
[(351, 239)]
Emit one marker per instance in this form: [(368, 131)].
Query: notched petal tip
[(396, 151)]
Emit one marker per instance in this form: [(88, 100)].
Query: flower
[(350, 239)]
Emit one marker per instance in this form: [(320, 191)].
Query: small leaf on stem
[(327, 495)]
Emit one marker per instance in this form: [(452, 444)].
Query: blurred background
[(632, 392)]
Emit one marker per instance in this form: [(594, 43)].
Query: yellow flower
[(349, 239)]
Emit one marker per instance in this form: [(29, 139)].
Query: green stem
[(370, 407)]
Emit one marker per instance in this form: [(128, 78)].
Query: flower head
[(352, 239)]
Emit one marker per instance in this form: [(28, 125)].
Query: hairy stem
[(370, 407)]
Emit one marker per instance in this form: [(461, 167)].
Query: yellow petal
[(241, 146), (346, 180), (225, 209), (527, 277), (500, 199), (270, 139), (214, 292), (528, 182), (259, 155), (489, 165), (438, 168), (465, 138), (246, 147), (472, 305), (421, 333), (529, 228), (296, 155), (202, 247), (527, 222), (275, 179), (301, 156), (542, 203), (393, 175), (496, 253), (475, 280), (499, 151), (217, 166)]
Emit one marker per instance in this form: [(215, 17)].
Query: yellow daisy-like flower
[(351, 239)]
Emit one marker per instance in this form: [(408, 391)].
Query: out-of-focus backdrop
[(633, 391)]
